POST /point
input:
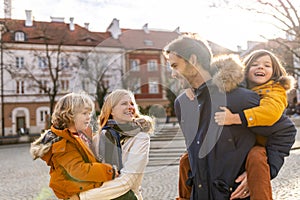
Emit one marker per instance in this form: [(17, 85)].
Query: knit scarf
[(128, 129)]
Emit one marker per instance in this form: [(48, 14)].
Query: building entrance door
[(21, 126)]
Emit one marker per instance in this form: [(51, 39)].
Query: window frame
[(19, 36), (135, 67), (152, 65)]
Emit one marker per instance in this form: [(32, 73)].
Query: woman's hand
[(74, 197), (227, 117)]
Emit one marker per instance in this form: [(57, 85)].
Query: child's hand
[(226, 117), (190, 94), (117, 174)]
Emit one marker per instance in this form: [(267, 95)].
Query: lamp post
[(2, 30)]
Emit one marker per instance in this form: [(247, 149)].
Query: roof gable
[(51, 33), (132, 39)]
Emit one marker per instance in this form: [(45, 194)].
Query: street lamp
[(2, 30)]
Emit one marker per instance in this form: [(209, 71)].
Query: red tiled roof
[(218, 50), (60, 33), (53, 32), (132, 39)]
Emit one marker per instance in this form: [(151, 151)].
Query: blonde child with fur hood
[(73, 166)]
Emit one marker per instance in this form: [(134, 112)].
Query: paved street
[(25, 179)]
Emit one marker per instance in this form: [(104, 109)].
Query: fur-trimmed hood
[(287, 82), (41, 146), (228, 72)]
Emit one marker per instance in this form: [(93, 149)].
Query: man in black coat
[(217, 154)]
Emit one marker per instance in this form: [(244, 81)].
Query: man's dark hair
[(185, 46)]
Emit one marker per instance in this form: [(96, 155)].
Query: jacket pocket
[(226, 144)]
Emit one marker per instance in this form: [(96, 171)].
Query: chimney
[(28, 21), (72, 26), (239, 48), (58, 19), (146, 30), (7, 9), (86, 25), (114, 29)]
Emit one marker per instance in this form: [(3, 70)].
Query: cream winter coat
[(135, 153)]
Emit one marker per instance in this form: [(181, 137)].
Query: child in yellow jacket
[(266, 76)]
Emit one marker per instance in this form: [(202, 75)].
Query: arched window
[(19, 36)]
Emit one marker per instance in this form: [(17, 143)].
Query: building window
[(43, 86), (42, 62), (20, 87), (148, 42), (134, 65), (152, 65), (43, 115), (19, 36), (168, 67), (136, 86), (153, 86), (85, 85), (296, 61), (64, 85), (63, 63), (19, 62)]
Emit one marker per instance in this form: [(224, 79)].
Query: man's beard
[(184, 83)]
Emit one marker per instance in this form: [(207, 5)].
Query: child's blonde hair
[(68, 106), (112, 100)]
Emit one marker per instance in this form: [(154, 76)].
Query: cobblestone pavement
[(287, 184), (161, 183), (25, 179)]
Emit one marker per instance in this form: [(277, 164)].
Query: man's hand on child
[(242, 191)]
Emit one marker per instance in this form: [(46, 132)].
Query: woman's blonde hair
[(68, 106), (112, 100)]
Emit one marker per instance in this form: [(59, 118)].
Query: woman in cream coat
[(120, 114)]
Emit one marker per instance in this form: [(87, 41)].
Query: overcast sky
[(223, 26)]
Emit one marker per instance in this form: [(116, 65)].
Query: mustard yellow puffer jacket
[(73, 166), (272, 104)]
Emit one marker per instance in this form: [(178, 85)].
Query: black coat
[(217, 154)]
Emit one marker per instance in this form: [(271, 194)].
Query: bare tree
[(47, 67), (102, 71), (284, 15)]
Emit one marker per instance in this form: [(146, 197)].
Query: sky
[(224, 26)]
